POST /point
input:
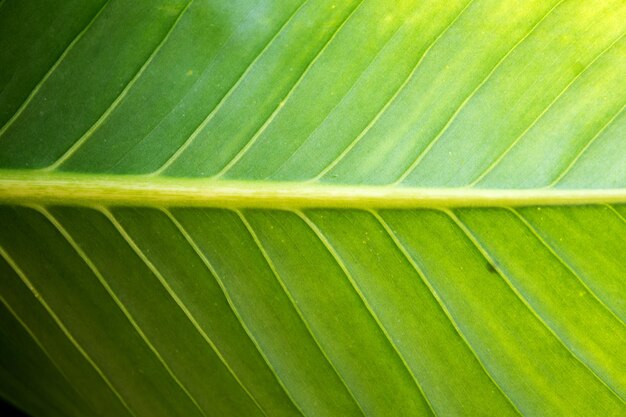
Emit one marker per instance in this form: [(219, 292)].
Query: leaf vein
[(280, 106), (535, 231), (343, 98), (62, 327), (230, 302), (452, 118), (96, 272), (176, 298), (283, 286), (331, 250), (571, 165), (223, 100), (50, 71), (391, 100), (519, 138), (102, 119), (39, 344), (617, 213), (526, 303), (442, 305)]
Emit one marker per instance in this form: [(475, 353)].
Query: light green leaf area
[(313, 208)]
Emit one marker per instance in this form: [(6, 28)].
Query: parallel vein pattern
[(516, 104), (313, 208), (445, 337)]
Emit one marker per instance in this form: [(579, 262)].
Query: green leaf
[(313, 208)]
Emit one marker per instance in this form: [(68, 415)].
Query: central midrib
[(33, 187)]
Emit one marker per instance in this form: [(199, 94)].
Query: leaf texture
[(455, 246)]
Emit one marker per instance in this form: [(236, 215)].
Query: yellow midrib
[(36, 187)]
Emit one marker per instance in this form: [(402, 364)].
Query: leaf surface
[(313, 208)]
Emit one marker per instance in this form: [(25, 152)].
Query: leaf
[(315, 208)]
